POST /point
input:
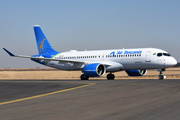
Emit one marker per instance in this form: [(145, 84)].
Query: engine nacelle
[(136, 72), (94, 70)]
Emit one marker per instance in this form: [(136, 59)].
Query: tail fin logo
[(41, 46)]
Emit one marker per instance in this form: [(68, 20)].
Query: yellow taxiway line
[(51, 93)]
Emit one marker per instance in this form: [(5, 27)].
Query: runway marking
[(51, 93)]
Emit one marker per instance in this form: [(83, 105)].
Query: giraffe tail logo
[(41, 46)]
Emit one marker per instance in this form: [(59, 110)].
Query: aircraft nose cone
[(171, 62), (175, 62)]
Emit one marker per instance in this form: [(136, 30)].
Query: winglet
[(11, 54)]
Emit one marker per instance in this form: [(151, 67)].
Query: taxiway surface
[(104, 100)]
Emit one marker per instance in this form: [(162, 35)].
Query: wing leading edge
[(52, 59)]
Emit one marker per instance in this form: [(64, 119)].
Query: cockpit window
[(166, 54), (159, 54), (163, 54)]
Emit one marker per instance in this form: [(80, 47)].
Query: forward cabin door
[(148, 56)]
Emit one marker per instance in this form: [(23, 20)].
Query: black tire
[(161, 77), (110, 77), (84, 77)]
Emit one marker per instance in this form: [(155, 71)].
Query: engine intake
[(136, 72), (94, 70)]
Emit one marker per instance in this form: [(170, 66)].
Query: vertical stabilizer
[(43, 44)]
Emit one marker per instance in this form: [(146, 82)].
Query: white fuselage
[(115, 60)]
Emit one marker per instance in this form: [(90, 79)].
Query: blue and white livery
[(96, 63)]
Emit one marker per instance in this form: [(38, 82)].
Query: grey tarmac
[(105, 100)]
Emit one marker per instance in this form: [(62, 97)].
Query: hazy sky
[(87, 24)]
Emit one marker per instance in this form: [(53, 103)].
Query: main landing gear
[(84, 77), (161, 77), (110, 76)]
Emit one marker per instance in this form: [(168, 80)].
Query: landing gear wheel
[(84, 77), (161, 77), (110, 76)]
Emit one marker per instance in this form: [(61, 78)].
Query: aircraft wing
[(51, 59)]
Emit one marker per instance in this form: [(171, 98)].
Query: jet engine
[(136, 72), (94, 70)]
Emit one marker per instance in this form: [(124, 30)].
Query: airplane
[(96, 63)]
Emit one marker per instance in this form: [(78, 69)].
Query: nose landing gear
[(161, 77)]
